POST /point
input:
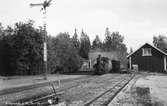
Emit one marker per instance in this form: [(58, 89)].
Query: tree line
[(21, 49)]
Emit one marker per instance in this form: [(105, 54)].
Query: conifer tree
[(96, 43), (85, 45), (75, 40)]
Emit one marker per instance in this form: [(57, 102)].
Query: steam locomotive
[(104, 65)]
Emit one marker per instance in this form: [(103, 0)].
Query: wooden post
[(90, 64), (165, 63), (130, 63)]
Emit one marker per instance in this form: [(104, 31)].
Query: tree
[(97, 43), (113, 41), (107, 33), (3, 64), (117, 41), (107, 40), (85, 45), (160, 42), (75, 40), (24, 44), (131, 50), (63, 56), (1, 32)]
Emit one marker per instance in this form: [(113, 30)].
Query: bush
[(63, 56)]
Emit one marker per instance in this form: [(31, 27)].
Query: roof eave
[(151, 46)]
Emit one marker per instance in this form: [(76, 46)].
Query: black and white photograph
[(83, 52)]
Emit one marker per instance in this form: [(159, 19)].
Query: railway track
[(107, 96), (73, 84), (33, 101), (101, 100)]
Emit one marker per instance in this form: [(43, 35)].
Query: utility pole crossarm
[(39, 4), (49, 1), (44, 4)]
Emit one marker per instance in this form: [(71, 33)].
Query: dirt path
[(147, 90)]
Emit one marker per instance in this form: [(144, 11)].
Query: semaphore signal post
[(44, 6)]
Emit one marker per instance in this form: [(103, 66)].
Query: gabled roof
[(151, 46)]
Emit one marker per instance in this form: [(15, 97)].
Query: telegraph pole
[(44, 5)]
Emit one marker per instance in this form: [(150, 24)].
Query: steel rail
[(110, 89)]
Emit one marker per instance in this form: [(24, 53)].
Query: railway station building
[(148, 58)]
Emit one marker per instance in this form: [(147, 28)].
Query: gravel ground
[(89, 90), (84, 90), (36, 92), (19, 81), (145, 90)]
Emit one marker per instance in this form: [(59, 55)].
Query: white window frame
[(146, 52)]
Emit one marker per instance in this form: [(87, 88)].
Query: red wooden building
[(148, 58)]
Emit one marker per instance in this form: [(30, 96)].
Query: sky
[(137, 20)]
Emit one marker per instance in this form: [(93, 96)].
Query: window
[(146, 52)]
